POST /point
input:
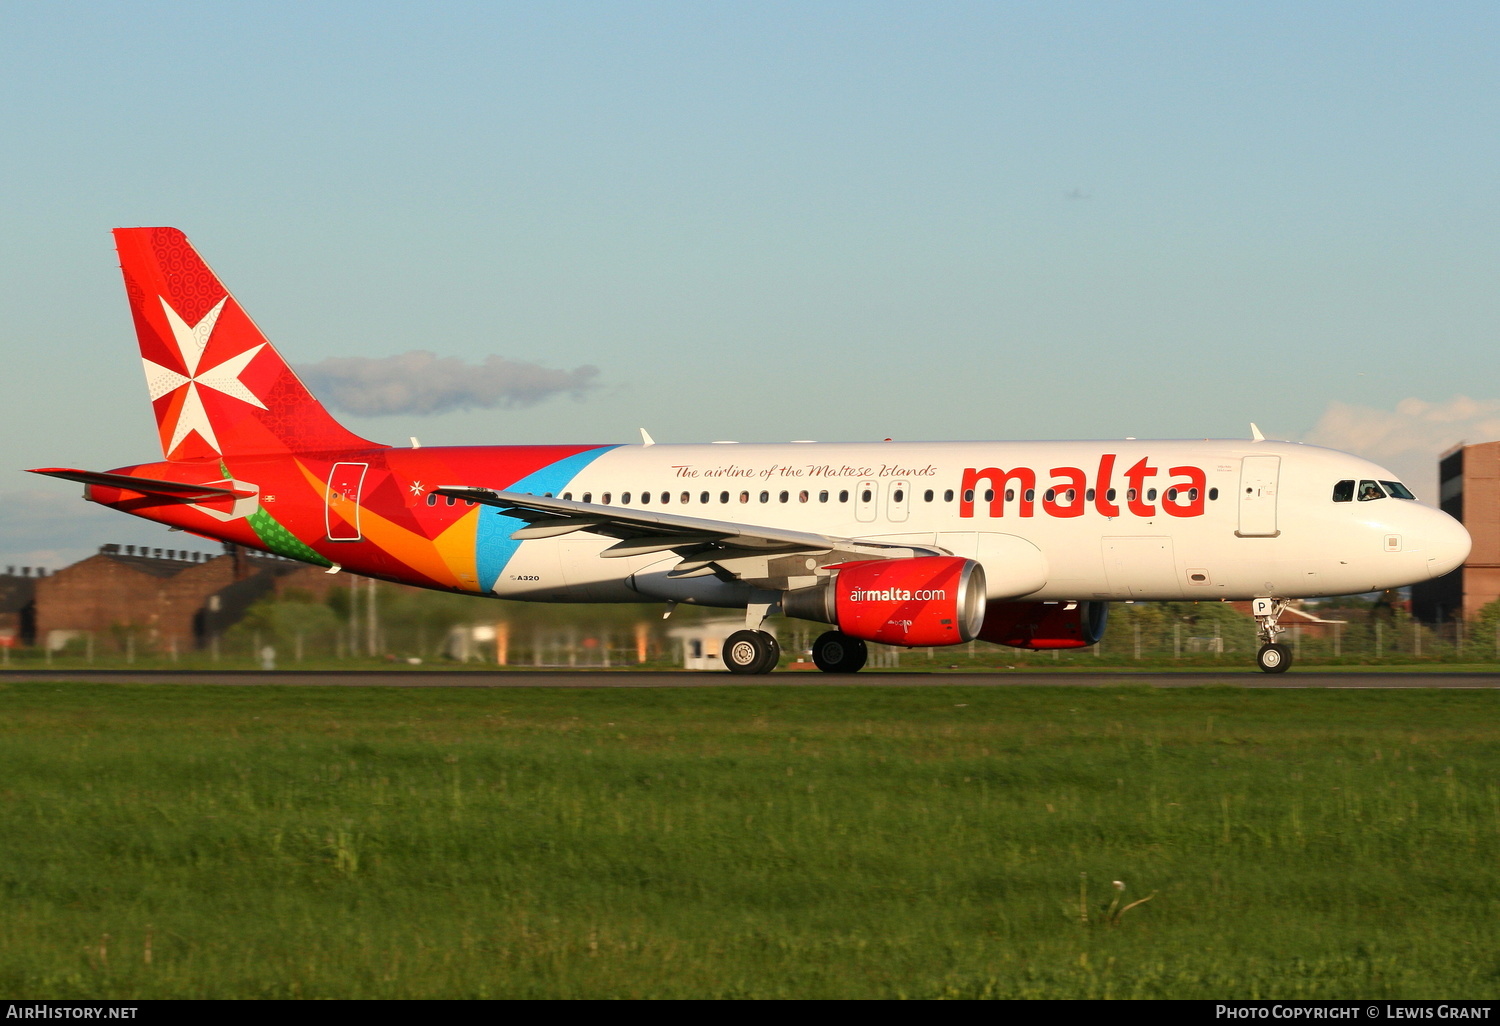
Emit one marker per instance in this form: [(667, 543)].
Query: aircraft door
[(898, 501), (341, 505), (866, 501), (1258, 479)]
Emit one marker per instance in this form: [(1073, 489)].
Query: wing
[(768, 556)]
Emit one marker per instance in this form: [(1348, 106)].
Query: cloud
[(1408, 439), (422, 383)]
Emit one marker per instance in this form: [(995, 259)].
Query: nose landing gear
[(1273, 657)]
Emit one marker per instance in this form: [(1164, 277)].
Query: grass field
[(752, 841)]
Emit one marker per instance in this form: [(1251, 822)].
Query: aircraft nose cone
[(1446, 543)]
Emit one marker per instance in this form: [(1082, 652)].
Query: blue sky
[(769, 221)]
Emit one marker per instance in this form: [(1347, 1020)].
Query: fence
[(1139, 634)]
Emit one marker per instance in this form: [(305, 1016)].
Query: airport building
[(125, 596), (1469, 490), (132, 600)]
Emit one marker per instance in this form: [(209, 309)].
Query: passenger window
[(1130, 495), (1192, 495), (452, 501), (1049, 495), (568, 496), (1398, 490), (948, 495), (865, 495), (1369, 490), (666, 497), (1150, 494), (784, 496), (899, 496), (702, 496), (1031, 495), (765, 496), (1088, 495), (1071, 496), (604, 498), (1172, 494), (927, 495), (822, 496), (1110, 495), (588, 496), (687, 497), (1343, 491), (801, 496), (744, 496), (968, 495), (624, 499), (844, 495), (1213, 495), (989, 495), (1010, 495), (432, 498), (645, 498), (723, 496)]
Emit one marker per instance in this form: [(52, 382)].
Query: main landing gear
[(835, 652), (751, 652), (1273, 656)]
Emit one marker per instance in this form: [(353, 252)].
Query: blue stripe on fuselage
[(493, 546)]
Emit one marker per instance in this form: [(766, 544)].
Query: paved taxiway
[(638, 679)]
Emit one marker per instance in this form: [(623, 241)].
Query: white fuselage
[(1246, 519)]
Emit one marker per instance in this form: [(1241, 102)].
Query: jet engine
[(921, 600), (1041, 625)]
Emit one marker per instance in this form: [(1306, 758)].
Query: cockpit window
[(1398, 490), (1369, 490), (1343, 491)]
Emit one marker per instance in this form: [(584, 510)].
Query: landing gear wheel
[(1274, 658), (836, 652), (751, 652)]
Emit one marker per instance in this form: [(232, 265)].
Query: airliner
[(1023, 544)]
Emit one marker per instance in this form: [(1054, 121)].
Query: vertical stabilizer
[(218, 386)]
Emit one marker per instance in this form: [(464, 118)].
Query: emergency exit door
[(341, 508), (1258, 479)]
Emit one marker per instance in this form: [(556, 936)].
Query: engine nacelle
[(1041, 625), (922, 600)]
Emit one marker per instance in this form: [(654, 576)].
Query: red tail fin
[(217, 385)]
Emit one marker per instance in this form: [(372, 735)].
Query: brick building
[(1469, 490), (173, 600), (18, 607)]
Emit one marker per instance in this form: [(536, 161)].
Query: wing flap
[(551, 529), (622, 523), (657, 543)]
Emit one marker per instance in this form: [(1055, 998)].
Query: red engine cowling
[(1041, 625), (922, 600)]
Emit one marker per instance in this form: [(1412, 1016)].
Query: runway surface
[(637, 679)]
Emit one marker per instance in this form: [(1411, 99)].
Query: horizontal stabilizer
[(180, 490)]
